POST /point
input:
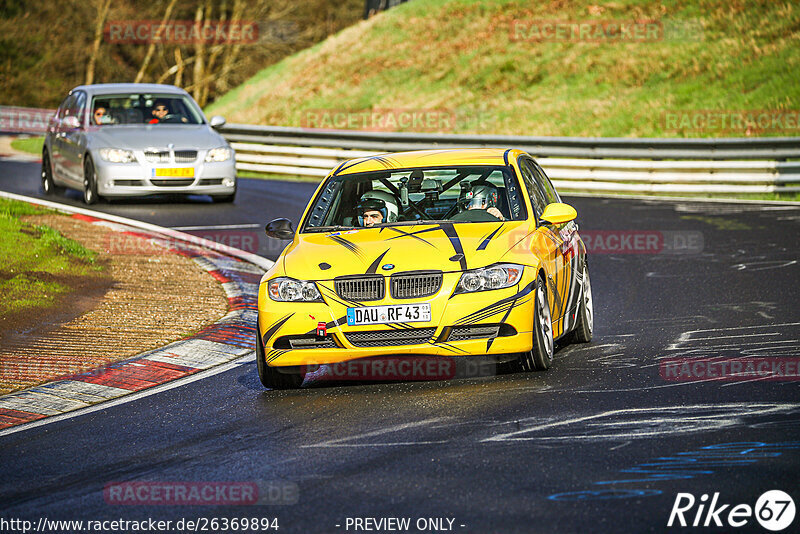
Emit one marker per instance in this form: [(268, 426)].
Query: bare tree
[(98, 37), (151, 49)]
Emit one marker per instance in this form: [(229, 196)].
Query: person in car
[(100, 115), (480, 197), (160, 110), (376, 207)]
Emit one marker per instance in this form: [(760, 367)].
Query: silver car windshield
[(144, 108)]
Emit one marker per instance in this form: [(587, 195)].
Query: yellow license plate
[(184, 172)]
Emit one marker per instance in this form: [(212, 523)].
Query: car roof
[(111, 88), (429, 158)]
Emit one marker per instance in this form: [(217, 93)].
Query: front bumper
[(137, 179), (469, 324)]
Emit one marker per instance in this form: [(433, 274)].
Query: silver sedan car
[(124, 139)]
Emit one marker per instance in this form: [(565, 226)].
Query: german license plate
[(181, 172), (399, 313)]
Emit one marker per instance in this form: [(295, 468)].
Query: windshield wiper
[(329, 228)]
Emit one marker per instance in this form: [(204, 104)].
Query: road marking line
[(379, 432), (216, 227)]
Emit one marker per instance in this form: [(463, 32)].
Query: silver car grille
[(415, 285), (383, 338), (157, 156), (360, 288), (185, 156), (163, 156)]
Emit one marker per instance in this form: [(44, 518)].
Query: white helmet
[(483, 196), (381, 201)]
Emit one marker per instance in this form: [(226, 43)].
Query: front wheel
[(89, 182), (585, 320), (540, 357), (48, 185), (275, 377)]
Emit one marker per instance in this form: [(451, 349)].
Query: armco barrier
[(757, 165)]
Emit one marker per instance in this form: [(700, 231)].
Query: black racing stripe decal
[(275, 353), (383, 160), (497, 306), (331, 294), (450, 347), (450, 232), (488, 238), (551, 285), (505, 156), (403, 233), (503, 320), (352, 247), (373, 268), (274, 328)]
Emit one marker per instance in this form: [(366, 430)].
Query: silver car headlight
[(117, 155), (222, 153), (285, 289), (497, 276)]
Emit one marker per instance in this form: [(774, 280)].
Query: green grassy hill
[(480, 64)]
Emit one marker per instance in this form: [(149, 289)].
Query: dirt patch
[(143, 301)]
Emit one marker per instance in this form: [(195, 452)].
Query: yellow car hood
[(443, 246)]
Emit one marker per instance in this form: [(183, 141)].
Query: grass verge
[(31, 145), (38, 265)]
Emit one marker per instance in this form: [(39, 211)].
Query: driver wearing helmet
[(376, 207), (482, 197)]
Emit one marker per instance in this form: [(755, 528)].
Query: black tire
[(540, 357), (90, 195), (275, 377), (585, 319), (48, 185)]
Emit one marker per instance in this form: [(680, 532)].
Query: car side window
[(545, 184), (67, 106), (78, 110), (537, 196), (62, 109)]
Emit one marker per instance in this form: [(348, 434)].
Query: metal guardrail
[(757, 165)]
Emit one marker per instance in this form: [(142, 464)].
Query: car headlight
[(117, 155), (285, 289), (488, 278), (219, 154)]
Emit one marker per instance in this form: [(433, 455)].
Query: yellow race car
[(440, 253)]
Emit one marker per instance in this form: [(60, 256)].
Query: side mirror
[(71, 122), (558, 213), (280, 229), (216, 121)]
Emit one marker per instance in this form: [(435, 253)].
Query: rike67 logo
[(774, 510)]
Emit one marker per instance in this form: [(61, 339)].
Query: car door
[(558, 276), (74, 140), (569, 262), (57, 142), (547, 241)]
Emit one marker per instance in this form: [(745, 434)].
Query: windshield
[(416, 196), (144, 108)]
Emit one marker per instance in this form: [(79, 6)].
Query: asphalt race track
[(603, 442)]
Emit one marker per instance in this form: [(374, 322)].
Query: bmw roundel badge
[(388, 267)]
